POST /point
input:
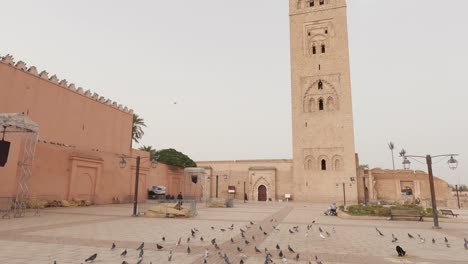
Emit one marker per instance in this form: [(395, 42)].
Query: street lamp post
[(452, 163), (122, 165)]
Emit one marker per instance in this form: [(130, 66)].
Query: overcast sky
[(226, 64)]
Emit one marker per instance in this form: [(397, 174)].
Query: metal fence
[(6, 205)]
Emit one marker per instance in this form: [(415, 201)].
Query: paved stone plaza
[(69, 235)]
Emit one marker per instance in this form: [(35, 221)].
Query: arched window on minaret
[(314, 50), (323, 48), (323, 165), (299, 4), (330, 103), (320, 85), (321, 2), (321, 106), (311, 3), (337, 164), (311, 106)]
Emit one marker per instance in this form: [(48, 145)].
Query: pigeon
[(253, 237), (140, 260), (242, 230), (242, 235), (258, 250), (178, 242), (260, 227), (448, 245), (291, 232), (213, 241), (91, 258), (297, 257), (206, 253), (222, 229), (400, 251), (169, 258), (251, 223), (280, 254), (201, 238), (239, 249), (163, 239), (188, 239), (320, 230), (140, 255), (124, 262), (113, 246), (277, 246), (433, 241), (394, 239), (247, 242), (226, 259), (422, 240), (410, 236), (159, 247), (192, 231), (445, 239), (216, 246), (322, 236), (265, 233), (290, 249), (241, 261), (328, 234), (141, 246), (124, 253), (232, 240), (212, 228), (378, 231), (317, 260), (220, 255), (466, 245), (188, 250), (205, 261), (313, 222)]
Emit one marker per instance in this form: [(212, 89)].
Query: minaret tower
[(322, 114)]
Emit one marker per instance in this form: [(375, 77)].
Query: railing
[(6, 205)]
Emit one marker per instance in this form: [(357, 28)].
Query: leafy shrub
[(379, 210), (175, 158)]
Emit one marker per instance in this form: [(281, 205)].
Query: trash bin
[(229, 202)]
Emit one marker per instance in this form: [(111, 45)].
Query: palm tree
[(151, 150), (391, 146), (137, 128)]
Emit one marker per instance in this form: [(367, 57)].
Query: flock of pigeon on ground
[(247, 238)]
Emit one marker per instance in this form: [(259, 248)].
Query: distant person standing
[(180, 198)]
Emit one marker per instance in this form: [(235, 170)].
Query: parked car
[(156, 192)]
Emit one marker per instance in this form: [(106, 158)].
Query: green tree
[(137, 128), (151, 150), (175, 158)]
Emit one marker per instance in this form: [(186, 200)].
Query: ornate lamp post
[(452, 163), (123, 163)]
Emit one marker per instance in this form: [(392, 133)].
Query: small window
[(322, 2), (305, 124), (326, 31), (323, 48), (314, 50), (319, 67), (308, 34), (320, 85), (323, 165), (320, 104), (311, 3)]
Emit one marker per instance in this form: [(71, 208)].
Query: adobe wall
[(65, 114), (388, 184), (276, 175)]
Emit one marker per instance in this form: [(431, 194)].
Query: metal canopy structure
[(29, 131)]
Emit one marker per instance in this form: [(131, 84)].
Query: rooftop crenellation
[(21, 65)]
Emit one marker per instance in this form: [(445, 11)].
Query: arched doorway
[(262, 193)]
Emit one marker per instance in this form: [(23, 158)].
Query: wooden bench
[(448, 212), (405, 213)]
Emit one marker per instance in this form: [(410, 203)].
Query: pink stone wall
[(81, 142)]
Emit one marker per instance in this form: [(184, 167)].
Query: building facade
[(82, 138), (322, 119)]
